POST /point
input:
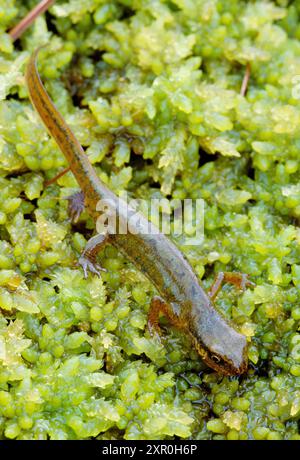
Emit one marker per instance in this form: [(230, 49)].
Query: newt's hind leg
[(157, 306), (76, 205), (239, 280), (87, 260)]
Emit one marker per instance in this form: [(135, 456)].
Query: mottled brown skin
[(183, 300)]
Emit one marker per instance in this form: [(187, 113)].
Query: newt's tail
[(58, 128)]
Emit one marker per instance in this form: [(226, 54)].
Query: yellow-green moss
[(152, 91)]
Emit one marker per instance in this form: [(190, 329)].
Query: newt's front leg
[(87, 260)]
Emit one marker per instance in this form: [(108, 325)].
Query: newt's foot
[(155, 331), (87, 260), (76, 206), (88, 265)]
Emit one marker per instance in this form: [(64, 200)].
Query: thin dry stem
[(18, 30), (54, 179)]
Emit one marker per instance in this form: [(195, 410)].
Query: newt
[(181, 299)]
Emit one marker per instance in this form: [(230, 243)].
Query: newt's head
[(224, 364), (218, 343)]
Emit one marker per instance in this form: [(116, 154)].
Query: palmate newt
[(182, 299)]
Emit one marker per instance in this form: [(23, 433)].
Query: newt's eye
[(215, 358)]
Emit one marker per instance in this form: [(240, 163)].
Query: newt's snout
[(219, 344)]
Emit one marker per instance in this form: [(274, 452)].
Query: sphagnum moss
[(152, 91)]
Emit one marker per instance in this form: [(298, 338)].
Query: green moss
[(159, 114)]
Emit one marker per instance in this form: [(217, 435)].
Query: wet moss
[(152, 91)]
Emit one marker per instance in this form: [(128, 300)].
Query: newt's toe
[(245, 282)]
